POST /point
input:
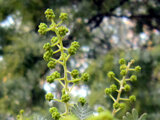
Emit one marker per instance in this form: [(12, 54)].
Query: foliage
[(82, 111), (134, 116)]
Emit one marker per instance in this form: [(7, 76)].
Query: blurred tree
[(97, 24)]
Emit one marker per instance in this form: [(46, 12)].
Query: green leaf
[(134, 116), (143, 116), (82, 112)]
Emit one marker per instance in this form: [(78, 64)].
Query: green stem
[(56, 51), (64, 61), (131, 69), (57, 100), (112, 98), (59, 23), (75, 80), (72, 87), (57, 61), (116, 79), (124, 99), (61, 83), (59, 79), (127, 79)]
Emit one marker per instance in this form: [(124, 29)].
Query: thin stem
[(59, 79), (59, 23), (118, 110), (131, 69), (57, 61), (72, 87), (118, 96), (67, 108), (116, 79), (112, 98), (58, 46), (57, 100), (68, 57), (69, 72), (127, 79), (65, 49), (55, 44), (56, 51), (61, 83), (124, 99), (75, 80)]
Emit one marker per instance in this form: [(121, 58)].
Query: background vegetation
[(106, 30)]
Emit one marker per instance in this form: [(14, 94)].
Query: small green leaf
[(134, 116), (143, 116), (82, 112)]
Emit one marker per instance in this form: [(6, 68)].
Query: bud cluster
[(82, 101), (49, 96), (54, 112), (123, 84), (73, 48), (56, 42)]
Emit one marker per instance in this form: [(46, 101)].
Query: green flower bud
[(72, 50), (47, 55), (49, 14), (122, 105), (50, 79), (108, 91), (116, 105), (46, 46), (56, 115), (75, 44), (113, 87), (127, 87), (63, 91), (49, 96), (138, 68), (122, 61), (133, 78), (123, 72), (75, 73), (56, 75), (100, 109), (85, 77), (54, 40), (122, 67), (82, 101), (21, 111), (63, 30), (132, 98), (124, 82), (111, 74), (42, 28), (51, 64), (53, 109), (63, 16), (18, 117), (65, 98)]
